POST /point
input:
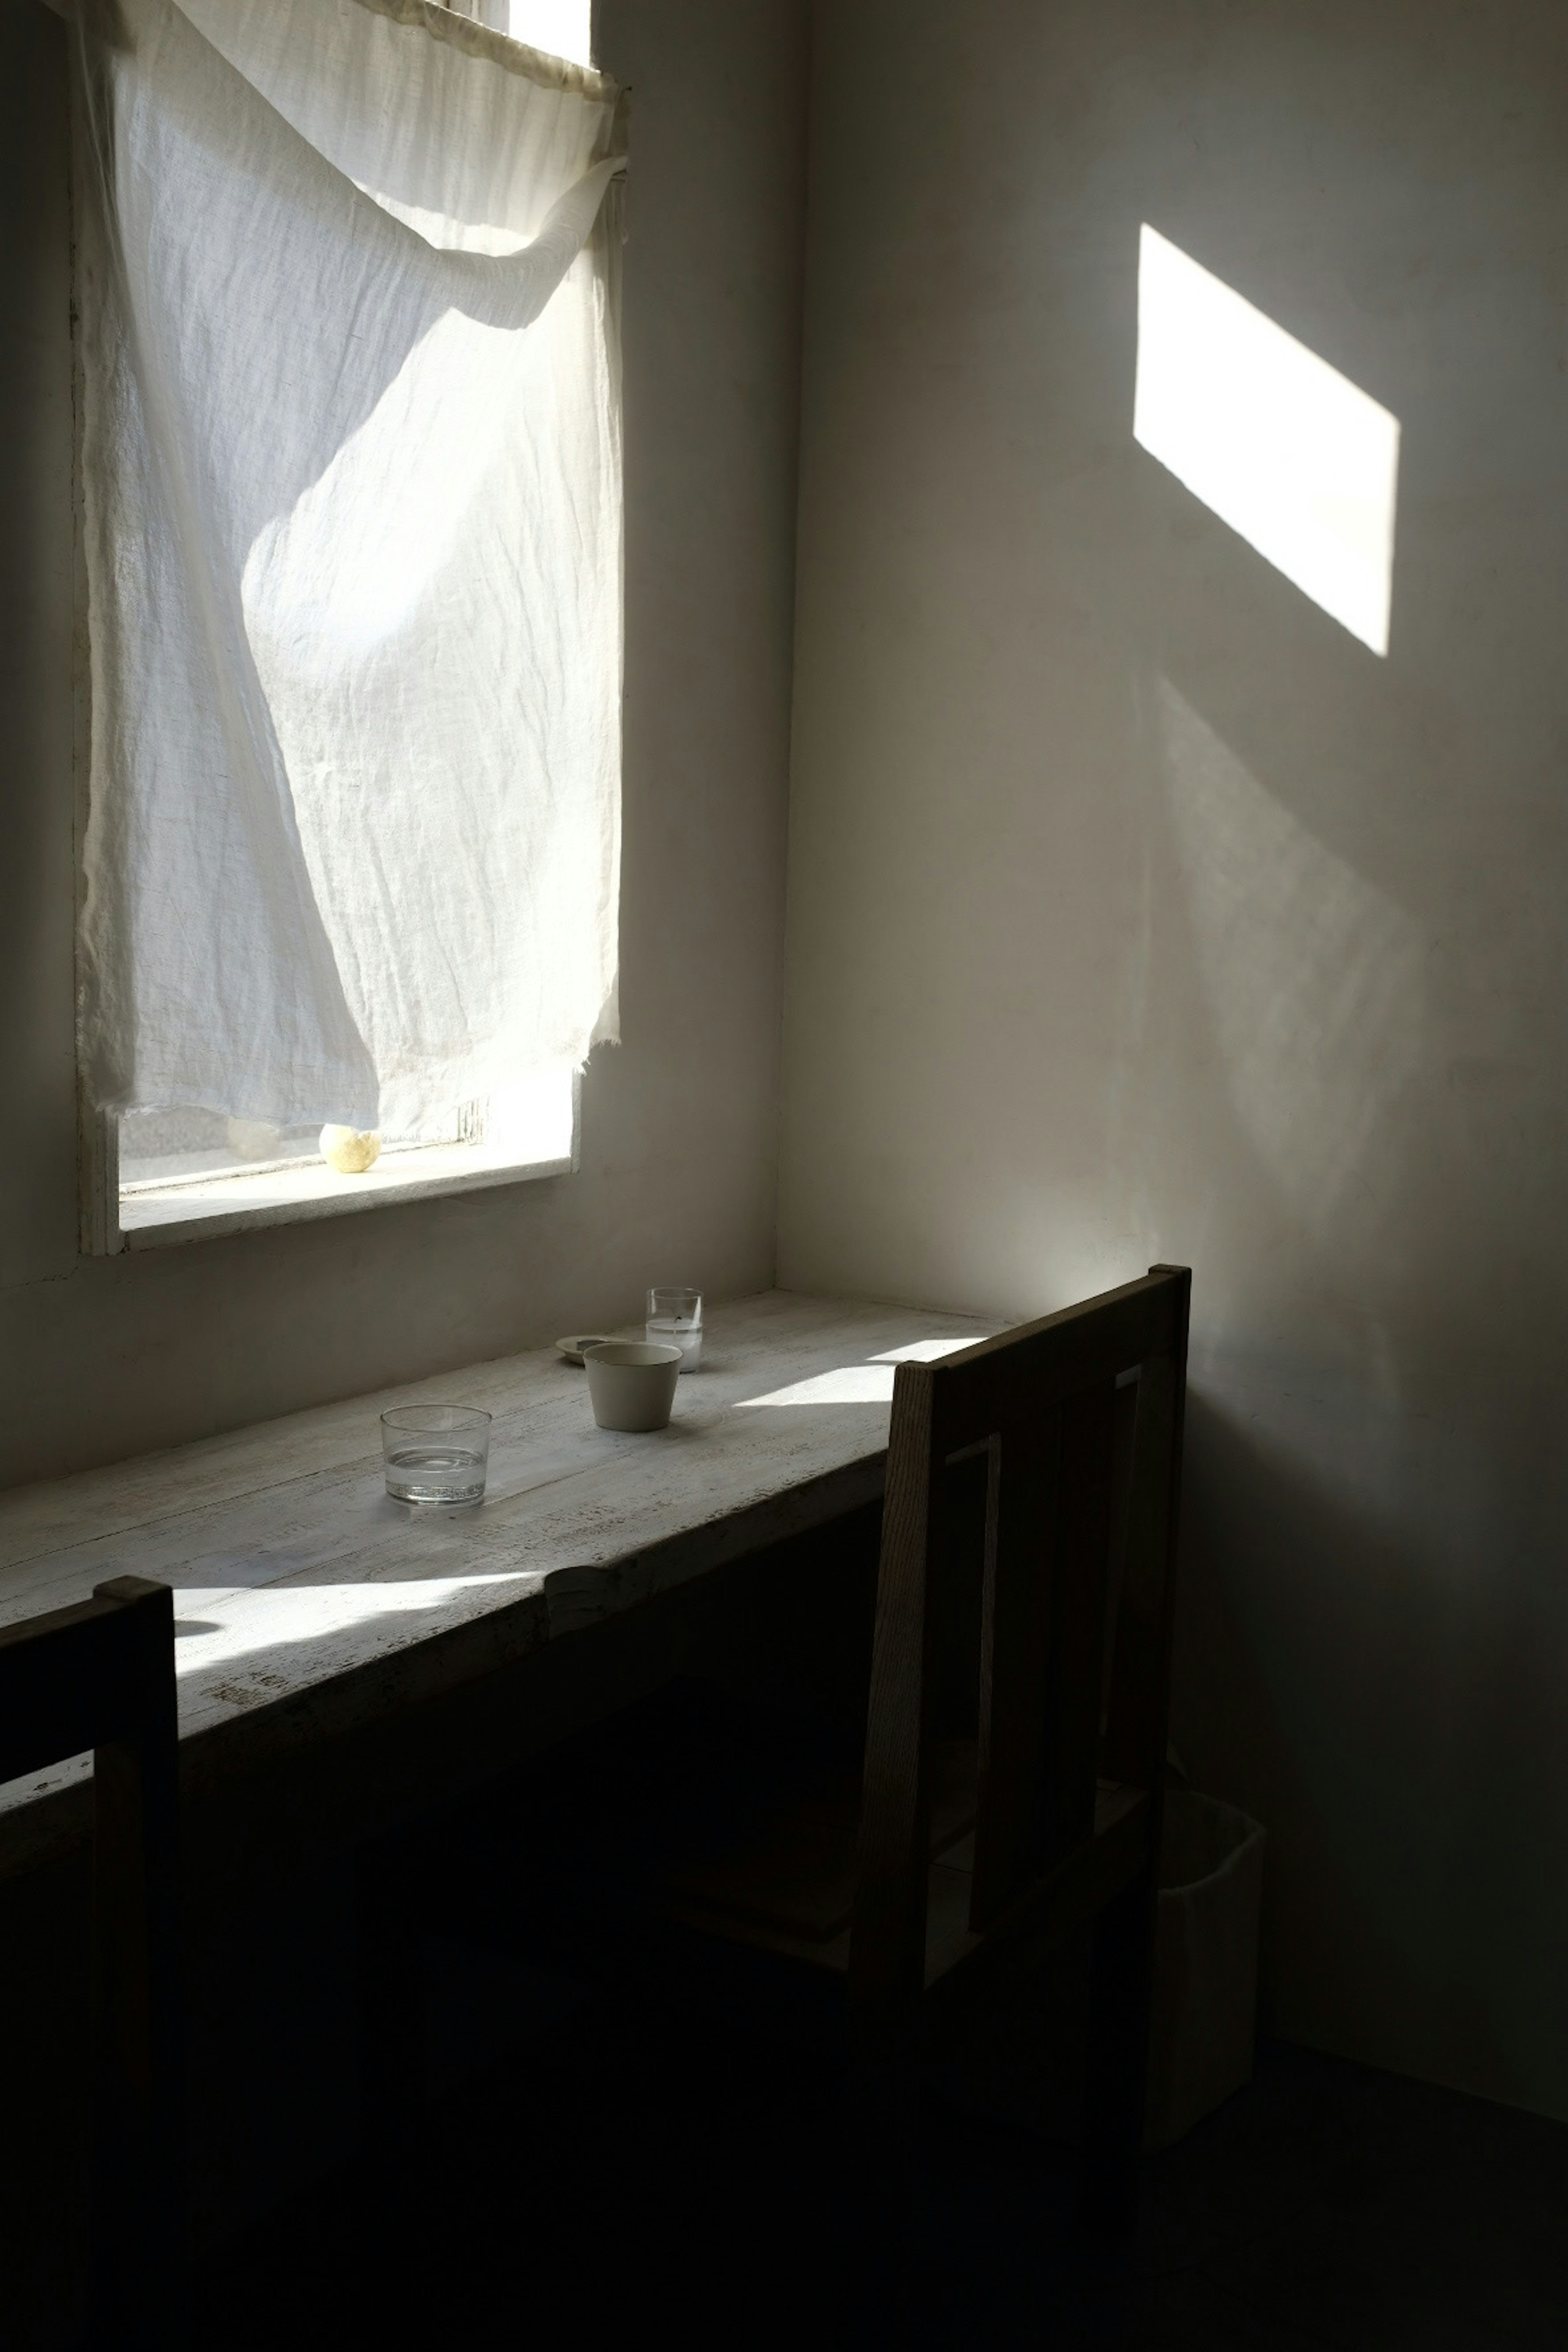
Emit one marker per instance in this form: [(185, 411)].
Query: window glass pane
[(563, 27), (164, 1147), (157, 1146)]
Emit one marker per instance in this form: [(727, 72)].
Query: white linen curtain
[(351, 515)]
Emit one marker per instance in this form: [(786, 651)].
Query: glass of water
[(675, 1317), (436, 1454)]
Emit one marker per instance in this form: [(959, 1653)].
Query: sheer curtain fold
[(352, 511)]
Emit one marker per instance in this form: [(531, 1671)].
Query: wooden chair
[(976, 1859), (101, 1675)]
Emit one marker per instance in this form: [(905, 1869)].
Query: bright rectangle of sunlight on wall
[(1282, 447)]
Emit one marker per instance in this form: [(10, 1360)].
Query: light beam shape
[(929, 1351), (1299, 460), (847, 1384), (867, 1383), (1315, 981)]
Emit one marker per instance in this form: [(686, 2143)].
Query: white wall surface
[(1139, 911), (101, 1358)]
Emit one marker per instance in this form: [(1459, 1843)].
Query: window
[(352, 523), (561, 28)]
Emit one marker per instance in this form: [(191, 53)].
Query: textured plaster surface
[(1138, 911)]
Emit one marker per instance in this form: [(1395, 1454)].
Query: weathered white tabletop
[(297, 1580)]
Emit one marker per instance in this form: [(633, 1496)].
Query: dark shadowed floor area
[(656, 2155)]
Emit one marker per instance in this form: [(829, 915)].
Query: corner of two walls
[(1138, 911), (103, 1357)]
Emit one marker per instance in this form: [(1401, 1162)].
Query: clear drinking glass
[(436, 1454), (675, 1317)]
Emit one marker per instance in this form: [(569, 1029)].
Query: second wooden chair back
[(101, 1675)]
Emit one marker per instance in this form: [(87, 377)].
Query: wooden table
[(309, 1605)]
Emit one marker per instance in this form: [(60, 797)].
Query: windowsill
[(196, 1208), (205, 1205)]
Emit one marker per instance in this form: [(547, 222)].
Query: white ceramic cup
[(631, 1382)]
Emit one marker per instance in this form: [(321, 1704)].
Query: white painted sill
[(153, 1215)]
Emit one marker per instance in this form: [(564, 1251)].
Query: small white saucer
[(571, 1348)]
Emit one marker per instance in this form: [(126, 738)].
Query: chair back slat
[(1138, 1709), (1056, 1357), (1068, 1692), (1120, 1491), (1014, 1644)]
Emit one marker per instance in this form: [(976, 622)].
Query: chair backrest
[(101, 1675), (1077, 1421)]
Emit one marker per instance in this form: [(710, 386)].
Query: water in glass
[(675, 1320), (672, 1331), (428, 1470)]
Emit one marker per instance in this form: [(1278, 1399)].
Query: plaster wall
[(1138, 912), (100, 1358)]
